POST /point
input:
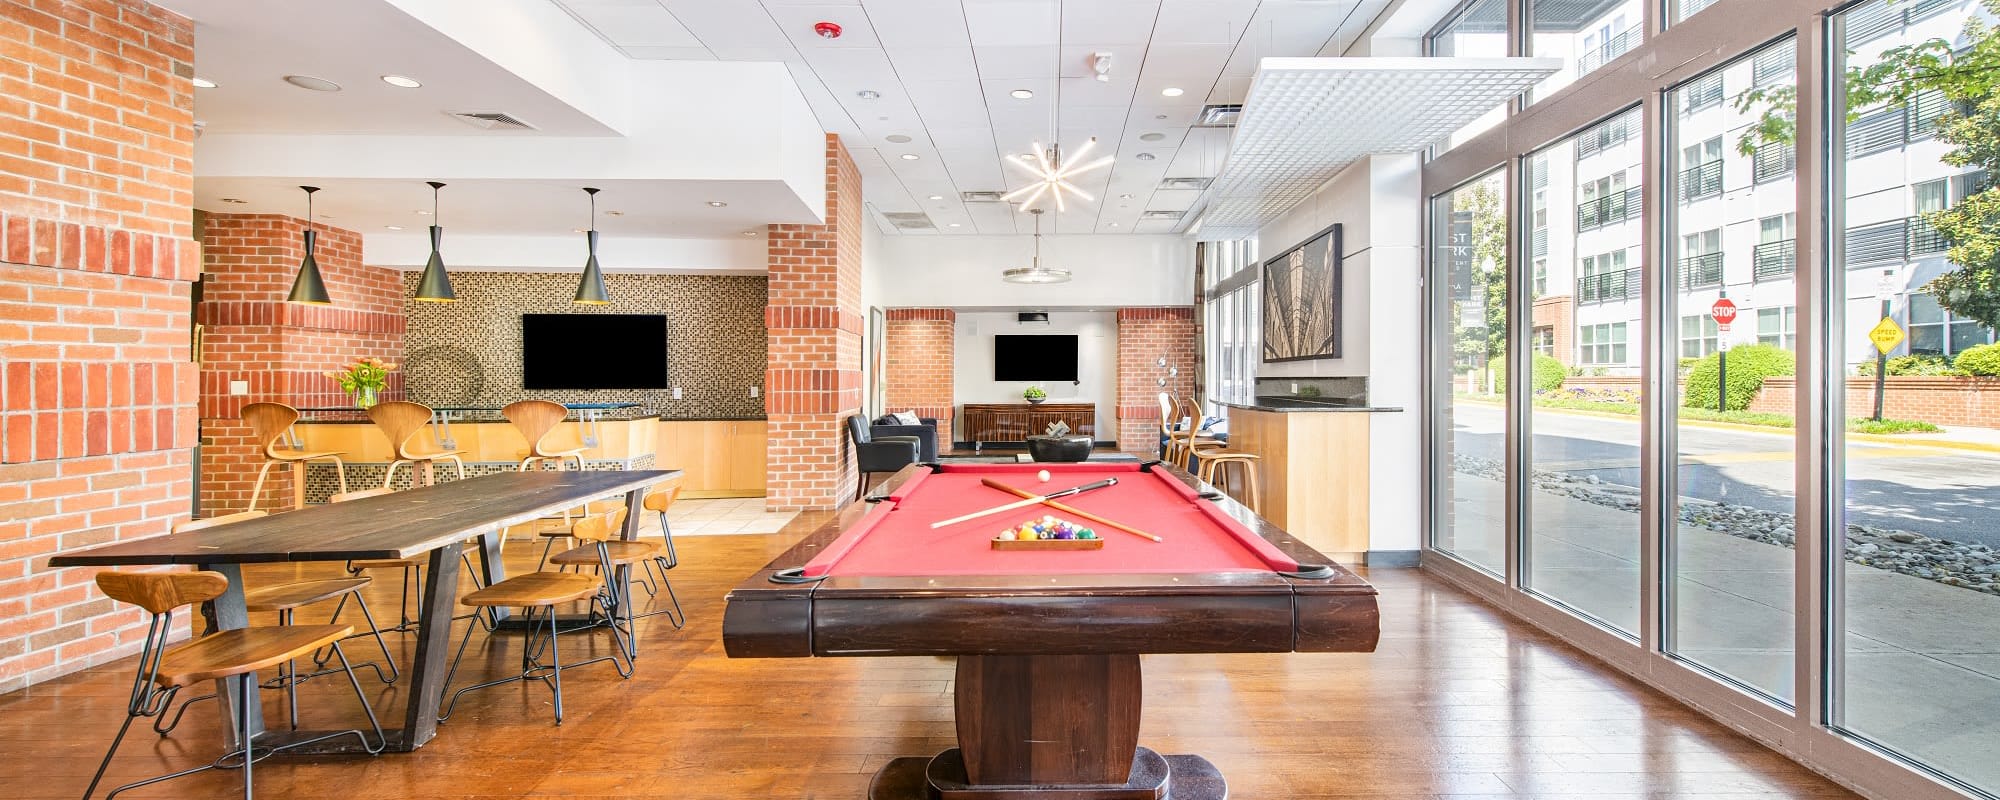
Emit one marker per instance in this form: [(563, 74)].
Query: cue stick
[(1032, 499), (1072, 510)]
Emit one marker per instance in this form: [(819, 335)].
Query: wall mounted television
[(593, 351), (1037, 357)]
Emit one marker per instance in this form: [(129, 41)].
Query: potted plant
[(364, 380), (1034, 395)]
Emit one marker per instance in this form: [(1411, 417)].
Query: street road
[(1949, 494)]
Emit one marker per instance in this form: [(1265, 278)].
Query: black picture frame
[(1302, 292)]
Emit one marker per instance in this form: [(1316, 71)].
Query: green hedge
[(1749, 365), (1981, 360), (1911, 365), (1549, 373)]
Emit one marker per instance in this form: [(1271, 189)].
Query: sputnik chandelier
[(1052, 175)]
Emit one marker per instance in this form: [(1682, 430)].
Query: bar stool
[(1214, 463), (223, 654), (401, 421), (536, 419), (268, 423), (599, 547), (537, 594), (412, 567), (1181, 444)]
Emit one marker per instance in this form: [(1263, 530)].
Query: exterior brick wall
[(1938, 400), (96, 256), (283, 351), (815, 321), (1556, 314), (1144, 336), (918, 346)]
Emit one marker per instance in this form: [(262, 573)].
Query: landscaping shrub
[(1981, 360), (1749, 365), (1548, 373), (1912, 365)]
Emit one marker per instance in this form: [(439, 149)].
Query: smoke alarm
[(826, 30)]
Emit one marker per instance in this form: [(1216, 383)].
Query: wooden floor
[(1458, 703)]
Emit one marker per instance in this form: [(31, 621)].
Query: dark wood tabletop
[(397, 525)]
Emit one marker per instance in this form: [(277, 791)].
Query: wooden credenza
[(1014, 422)]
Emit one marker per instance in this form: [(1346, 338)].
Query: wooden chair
[(536, 419), (1213, 463), (1181, 444), (537, 594), (268, 423), (412, 567), (401, 422), (599, 546), (163, 671)]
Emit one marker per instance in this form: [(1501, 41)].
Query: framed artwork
[(1302, 315)]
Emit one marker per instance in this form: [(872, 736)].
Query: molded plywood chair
[(599, 546), (536, 419), (537, 594), (268, 422), (1182, 443), (223, 654), (412, 567), (402, 421), (1214, 463)]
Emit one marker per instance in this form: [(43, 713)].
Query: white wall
[(1109, 270), (1096, 361)]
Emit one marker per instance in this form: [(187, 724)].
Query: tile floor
[(722, 516)]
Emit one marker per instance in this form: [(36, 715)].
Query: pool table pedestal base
[(1051, 727)]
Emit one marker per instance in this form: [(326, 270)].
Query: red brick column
[(918, 343), (814, 375), (96, 257), (250, 334), (1144, 335)]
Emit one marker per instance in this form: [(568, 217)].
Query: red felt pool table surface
[(896, 538)]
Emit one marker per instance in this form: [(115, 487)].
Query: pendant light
[(1036, 273), (436, 284), (308, 289), (590, 291)]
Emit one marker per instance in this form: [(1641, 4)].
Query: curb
[(1901, 440)]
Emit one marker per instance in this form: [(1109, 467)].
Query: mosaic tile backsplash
[(469, 352)]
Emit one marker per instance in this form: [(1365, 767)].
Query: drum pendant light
[(308, 289), (590, 291), (436, 285)]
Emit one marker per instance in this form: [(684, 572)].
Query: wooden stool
[(536, 419), (1214, 461), (599, 547), (268, 423), (401, 422), (536, 592), (1181, 444), (219, 655)]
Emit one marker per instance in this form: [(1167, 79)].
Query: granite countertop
[(1314, 404), (757, 418)]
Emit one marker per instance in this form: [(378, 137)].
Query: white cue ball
[(1043, 476)]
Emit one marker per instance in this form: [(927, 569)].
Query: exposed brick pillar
[(281, 350), (918, 343), (96, 256), (1145, 335), (814, 317)]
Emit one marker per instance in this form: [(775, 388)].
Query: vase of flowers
[(1034, 395), (364, 380)]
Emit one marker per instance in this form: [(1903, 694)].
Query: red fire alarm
[(826, 30)]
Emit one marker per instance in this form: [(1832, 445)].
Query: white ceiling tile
[(934, 64), (949, 104), (633, 25), (1203, 21), (728, 25), (797, 24), (1109, 21), (917, 23), (1183, 58), (1011, 22), (1011, 62), (669, 53)]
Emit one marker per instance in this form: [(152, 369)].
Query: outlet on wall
[(677, 393), (753, 392), (239, 388)]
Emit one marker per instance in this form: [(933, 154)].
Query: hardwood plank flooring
[(1458, 704)]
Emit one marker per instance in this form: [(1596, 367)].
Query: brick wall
[(282, 350), (1556, 314), (1938, 400), (1144, 336), (96, 256), (919, 347), (814, 321)]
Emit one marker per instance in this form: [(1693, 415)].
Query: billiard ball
[(1043, 476), (1005, 536)]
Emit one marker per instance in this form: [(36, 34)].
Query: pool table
[(1048, 687)]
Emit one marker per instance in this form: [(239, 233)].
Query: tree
[(1480, 202), (1968, 77)]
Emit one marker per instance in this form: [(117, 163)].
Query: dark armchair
[(925, 430), (874, 453)]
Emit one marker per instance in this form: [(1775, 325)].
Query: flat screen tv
[(1038, 357), (593, 351)]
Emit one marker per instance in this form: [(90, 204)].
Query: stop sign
[(1724, 311)]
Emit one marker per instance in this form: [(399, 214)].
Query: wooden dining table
[(431, 520)]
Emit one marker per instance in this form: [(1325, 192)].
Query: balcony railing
[(1701, 271), (1774, 260), (1606, 287), (1773, 161), (1925, 238), (1701, 180), (1612, 48), (1611, 208), (1903, 239)]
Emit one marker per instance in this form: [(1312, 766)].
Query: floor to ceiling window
[(1476, 29), (1229, 325), (1585, 34), (1583, 513), (1471, 331), (1729, 552), (1916, 661)]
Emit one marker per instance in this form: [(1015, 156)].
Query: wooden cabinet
[(722, 458), (1014, 422), (1314, 471)]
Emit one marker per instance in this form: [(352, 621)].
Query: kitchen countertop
[(1306, 404)]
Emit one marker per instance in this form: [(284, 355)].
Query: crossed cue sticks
[(1030, 498)]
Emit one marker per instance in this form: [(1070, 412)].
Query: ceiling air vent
[(1219, 115), (981, 197), (491, 120), (909, 220), (1173, 215), (1196, 184)]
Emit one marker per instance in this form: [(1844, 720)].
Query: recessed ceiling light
[(203, 83), (393, 227), (578, 230), (423, 212), (1159, 116), (401, 81), (897, 138), (310, 82), (1021, 94), (1171, 91), (749, 233), (952, 225), (235, 200), (1151, 137), (1145, 156), (910, 156), (1114, 224), (716, 204), (937, 197), (868, 94), (614, 213)]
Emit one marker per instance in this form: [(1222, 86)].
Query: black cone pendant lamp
[(308, 288), (436, 285), (590, 291)]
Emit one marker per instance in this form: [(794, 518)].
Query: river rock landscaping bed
[(1968, 566)]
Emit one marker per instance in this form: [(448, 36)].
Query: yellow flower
[(388, 366)]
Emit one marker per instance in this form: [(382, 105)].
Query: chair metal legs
[(531, 666)]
